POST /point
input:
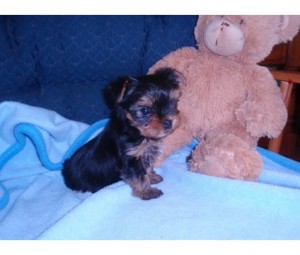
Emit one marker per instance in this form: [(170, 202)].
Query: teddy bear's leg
[(226, 156), (180, 137)]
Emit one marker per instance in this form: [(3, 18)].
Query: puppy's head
[(149, 102)]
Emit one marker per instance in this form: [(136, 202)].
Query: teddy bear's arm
[(263, 113), (179, 60)]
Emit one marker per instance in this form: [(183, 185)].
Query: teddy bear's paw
[(257, 122), (275, 127), (195, 160), (256, 129), (248, 165), (205, 164), (207, 167), (265, 126), (194, 166), (245, 165), (226, 156)]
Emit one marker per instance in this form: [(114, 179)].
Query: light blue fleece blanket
[(193, 206)]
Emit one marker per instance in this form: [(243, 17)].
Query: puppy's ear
[(169, 78), (115, 91)]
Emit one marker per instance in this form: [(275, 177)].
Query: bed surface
[(193, 206)]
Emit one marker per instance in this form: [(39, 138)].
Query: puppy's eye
[(242, 22), (146, 111)]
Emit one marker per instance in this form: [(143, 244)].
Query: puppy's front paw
[(155, 178), (151, 193), (143, 190)]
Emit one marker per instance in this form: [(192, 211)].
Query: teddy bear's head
[(247, 38)]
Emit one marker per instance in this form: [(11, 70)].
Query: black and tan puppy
[(144, 111)]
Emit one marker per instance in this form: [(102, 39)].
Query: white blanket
[(193, 206)]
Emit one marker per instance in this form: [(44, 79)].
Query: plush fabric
[(193, 206), (229, 101), (52, 70), (63, 62)]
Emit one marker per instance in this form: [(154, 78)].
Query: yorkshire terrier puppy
[(144, 110)]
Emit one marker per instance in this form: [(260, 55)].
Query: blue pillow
[(62, 63), (167, 34)]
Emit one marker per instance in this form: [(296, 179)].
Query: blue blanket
[(193, 206)]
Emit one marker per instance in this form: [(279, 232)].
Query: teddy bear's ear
[(290, 25), (198, 30)]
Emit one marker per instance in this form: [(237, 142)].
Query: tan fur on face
[(154, 129)]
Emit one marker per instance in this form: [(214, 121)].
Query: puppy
[(144, 110)]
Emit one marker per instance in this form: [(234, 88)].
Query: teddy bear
[(228, 101)]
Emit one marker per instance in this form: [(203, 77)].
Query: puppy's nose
[(167, 124)]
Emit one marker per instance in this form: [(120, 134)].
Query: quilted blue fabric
[(63, 62)]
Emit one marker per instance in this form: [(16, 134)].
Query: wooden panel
[(283, 75), (285, 55), (293, 58), (286, 91), (277, 57)]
